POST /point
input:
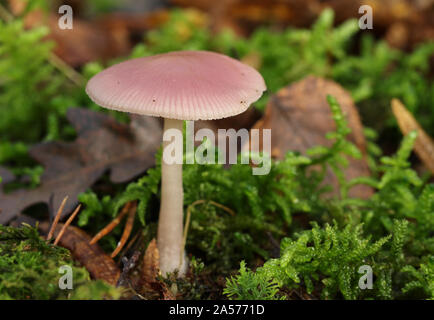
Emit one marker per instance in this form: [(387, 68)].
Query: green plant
[(327, 260), (324, 261), (28, 82), (423, 278), (250, 286)]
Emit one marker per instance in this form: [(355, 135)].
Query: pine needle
[(188, 218), (127, 230), (68, 222), (107, 229), (56, 219)]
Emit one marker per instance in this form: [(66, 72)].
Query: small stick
[(130, 243), (68, 222), (224, 208), (127, 230), (107, 229), (187, 222), (66, 69), (56, 219)]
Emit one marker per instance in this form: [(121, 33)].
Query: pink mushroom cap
[(183, 85)]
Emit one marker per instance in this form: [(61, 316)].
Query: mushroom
[(181, 85)]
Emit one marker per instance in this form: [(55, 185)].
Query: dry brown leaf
[(167, 294), (105, 38), (150, 271), (92, 257), (70, 168), (90, 40), (424, 145), (300, 117), (151, 262)]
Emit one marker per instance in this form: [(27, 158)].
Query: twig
[(128, 265), (107, 229), (224, 208), (68, 222), (56, 219), (127, 230), (131, 242), (67, 70), (187, 222), (424, 145)]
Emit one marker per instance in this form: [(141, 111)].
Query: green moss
[(325, 260), (251, 286), (29, 269)]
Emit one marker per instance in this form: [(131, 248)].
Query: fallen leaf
[(167, 294), (424, 145), (6, 175), (88, 41), (135, 23), (91, 256), (71, 168), (299, 117), (149, 283), (151, 262), (107, 37)]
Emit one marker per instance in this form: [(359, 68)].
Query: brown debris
[(424, 144), (92, 257), (244, 16), (300, 117), (102, 39), (127, 230), (149, 282), (56, 219), (67, 223), (151, 262), (108, 228), (71, 168)]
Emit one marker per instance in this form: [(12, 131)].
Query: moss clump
[(397, 241), (29, 269)]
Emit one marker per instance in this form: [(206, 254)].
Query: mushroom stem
[(170, 225)]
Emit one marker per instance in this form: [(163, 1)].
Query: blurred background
[(43, 69)]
